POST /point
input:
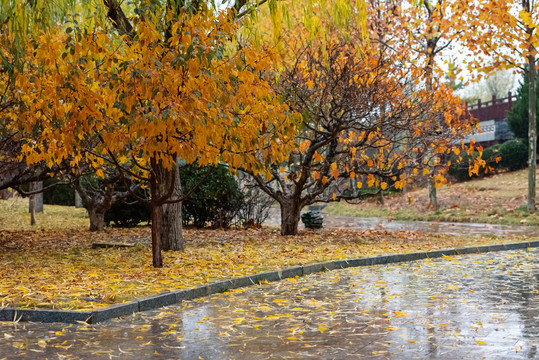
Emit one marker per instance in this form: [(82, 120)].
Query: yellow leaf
[(322, 329), (384, 186), (480, 342), (400, 314)]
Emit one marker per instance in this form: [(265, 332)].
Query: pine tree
[(518, 117)]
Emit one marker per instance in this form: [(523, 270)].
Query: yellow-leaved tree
[(426, 28), (368, 118), (502, 34), (141, 103), (114, 17)]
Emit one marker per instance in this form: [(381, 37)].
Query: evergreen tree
[(518, 117)]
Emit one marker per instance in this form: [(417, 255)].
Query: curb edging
[(175, 297)]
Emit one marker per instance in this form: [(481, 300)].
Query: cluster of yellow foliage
[(100, 100)]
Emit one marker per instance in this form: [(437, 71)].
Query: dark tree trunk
[(290, 215), (172, 235), (32, 208), (97, 218), (157, 215), (157, 212), (380, 198)]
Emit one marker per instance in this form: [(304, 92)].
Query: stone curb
[(154, 302)]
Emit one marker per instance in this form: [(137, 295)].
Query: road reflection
[(465, 307)]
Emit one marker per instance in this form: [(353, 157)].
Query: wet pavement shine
[(427, 227), (482, 306)]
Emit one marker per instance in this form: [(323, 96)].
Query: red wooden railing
[(494, 109)]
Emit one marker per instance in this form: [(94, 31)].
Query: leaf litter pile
[(58, 269), (470, 307)]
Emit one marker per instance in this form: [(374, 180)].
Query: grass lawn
[(499, 199), (54, 266)]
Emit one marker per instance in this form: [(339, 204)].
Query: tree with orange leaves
[(367, 119), (502, 34), (141, 107), (425, 28)]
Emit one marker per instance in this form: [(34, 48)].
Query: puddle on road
[(426, 227), (462, 307)]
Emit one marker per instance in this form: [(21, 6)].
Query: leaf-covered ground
[(498, 199), (59, 269), (54, 266)]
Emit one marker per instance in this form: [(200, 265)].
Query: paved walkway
[(427, 227), (467, 307)]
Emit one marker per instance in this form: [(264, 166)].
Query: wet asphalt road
[(466, 307)]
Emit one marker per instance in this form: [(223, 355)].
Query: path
[(468, 307), (450, 228)]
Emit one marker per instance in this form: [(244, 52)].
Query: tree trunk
[(38, 185), (172, 235), (532, 134), (290, 215), (433, 198), (36, 198), (78, 201), (5, 194), (157, 215), (97, 218), (157, 212), (380, 198), (32, 206)]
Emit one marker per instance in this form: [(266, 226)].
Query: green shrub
[(459, 169), (129, 213), (216, 202), (514, 155), (490, 154)]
